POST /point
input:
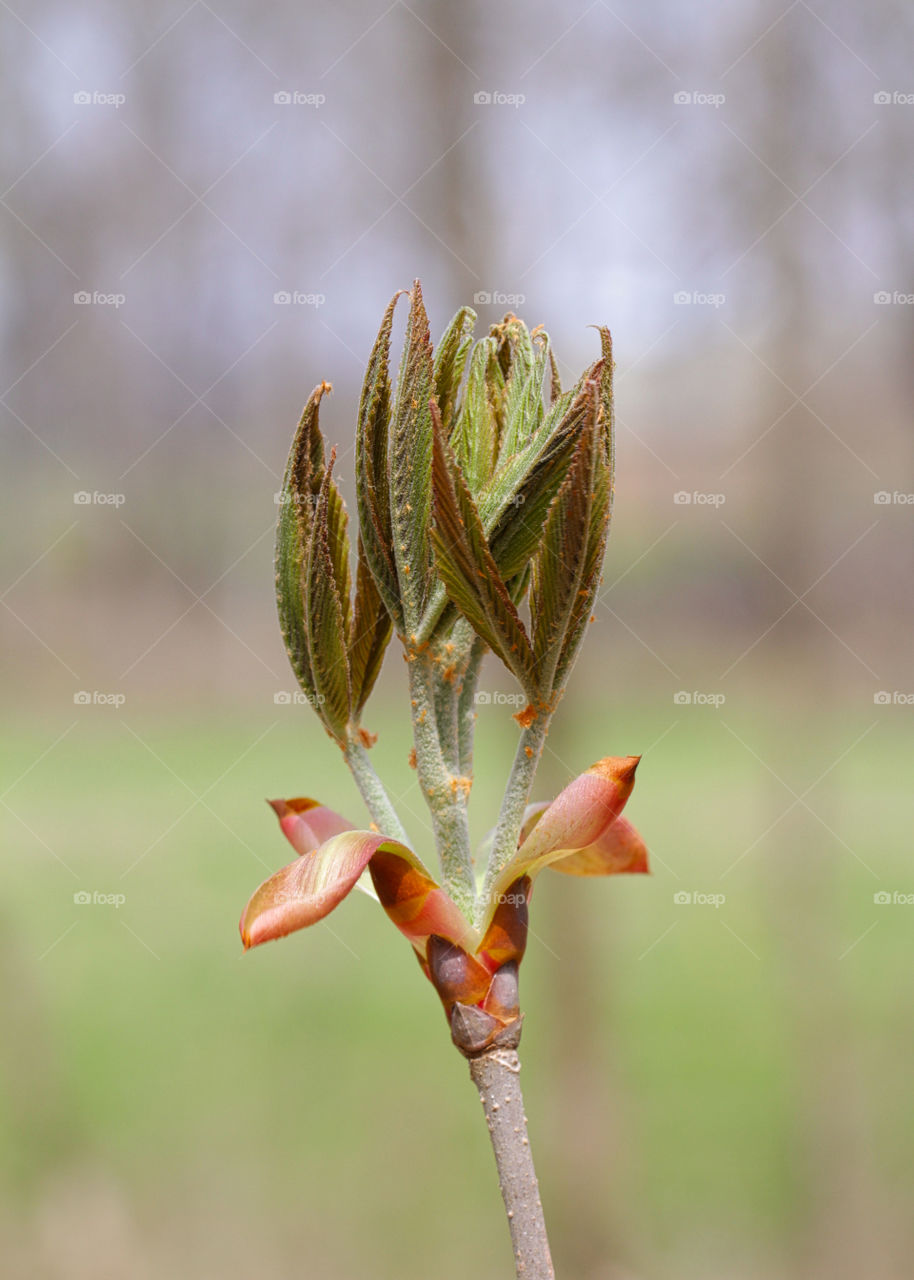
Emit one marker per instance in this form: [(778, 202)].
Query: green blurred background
[(716, 1057)]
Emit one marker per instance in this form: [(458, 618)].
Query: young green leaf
[(409, 466), (607, 407), (372, 484), (475, 436), (301, 484), (369, 634), (468, 570), (524, 394), (532, 483), (560, 585), (327, 608), (555, 381), (450, 361)]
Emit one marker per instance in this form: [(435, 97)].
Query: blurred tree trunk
[(584, 1151), (838, 1201)]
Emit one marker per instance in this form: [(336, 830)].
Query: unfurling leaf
[(412, 899), (580, 818), (506, 937), (619, 848), (468, 570), (307, 823), (307, 889)]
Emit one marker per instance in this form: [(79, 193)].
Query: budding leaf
[(530, 482), (468, 570), (567, 565), (301, 484), (410, 464), (475, 436), (369, 634), (327, 608), (607, 407), (523, 399), (555, 381), (450, 361), (371, 470)]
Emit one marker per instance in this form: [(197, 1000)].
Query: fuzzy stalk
[(516, 798), (373, 792), (496, 1076), (442, 790), (466, 706)]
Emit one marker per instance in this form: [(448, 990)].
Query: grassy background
[(173, 1108)]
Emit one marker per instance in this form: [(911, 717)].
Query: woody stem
[(496, 1075)]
